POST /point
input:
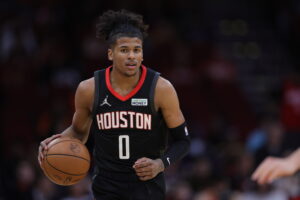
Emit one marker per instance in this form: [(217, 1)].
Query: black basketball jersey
[(126, 128)]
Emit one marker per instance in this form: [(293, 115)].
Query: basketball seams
[(45, 170), (63, 171), (52, 179), (64, 140), (61, 154)]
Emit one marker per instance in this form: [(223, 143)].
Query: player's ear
[(110, 54)]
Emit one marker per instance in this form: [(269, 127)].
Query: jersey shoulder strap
[(155, 76), (99, 77)]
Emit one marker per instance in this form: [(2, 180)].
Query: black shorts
[(108, 186)]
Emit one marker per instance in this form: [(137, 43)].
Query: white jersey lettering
[(139, 120), (131, 118), (100, 121), (107, 120), (147, 121), (124, 119), (114, 119)]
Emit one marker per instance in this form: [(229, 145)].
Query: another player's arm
[(272, 168), (82, 117), (167, 101)]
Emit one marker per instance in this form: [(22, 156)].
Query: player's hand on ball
[(272, 168), (147, 168), (44, 147)]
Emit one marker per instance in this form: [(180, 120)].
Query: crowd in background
[(207, 49)]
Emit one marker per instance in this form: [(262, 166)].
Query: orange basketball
[(67, 161)]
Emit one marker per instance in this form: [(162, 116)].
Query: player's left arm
[(166, 100)]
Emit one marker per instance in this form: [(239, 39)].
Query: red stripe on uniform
[(133, 92)]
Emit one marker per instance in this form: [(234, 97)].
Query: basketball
[(67, 161)]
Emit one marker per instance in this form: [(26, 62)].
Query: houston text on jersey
[(124, 119)]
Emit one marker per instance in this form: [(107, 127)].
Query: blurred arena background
[(234, 64)]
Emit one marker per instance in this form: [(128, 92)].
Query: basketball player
[(126, 107), (272, 168)]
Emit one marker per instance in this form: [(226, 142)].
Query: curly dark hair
[(115, 24)]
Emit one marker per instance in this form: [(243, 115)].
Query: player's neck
[(123, 83)]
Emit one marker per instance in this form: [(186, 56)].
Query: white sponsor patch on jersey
[(139, 102)]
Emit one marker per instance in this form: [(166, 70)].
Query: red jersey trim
[(133, 92)]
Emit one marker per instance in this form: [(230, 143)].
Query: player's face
[(126, 55)]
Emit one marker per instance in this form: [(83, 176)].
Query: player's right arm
[(272, 168), (82, 118)]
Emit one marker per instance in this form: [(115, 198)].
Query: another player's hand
[(272, 168), (43, 148), (147, 168)]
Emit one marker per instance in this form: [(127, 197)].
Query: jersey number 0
[(124, 151)]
